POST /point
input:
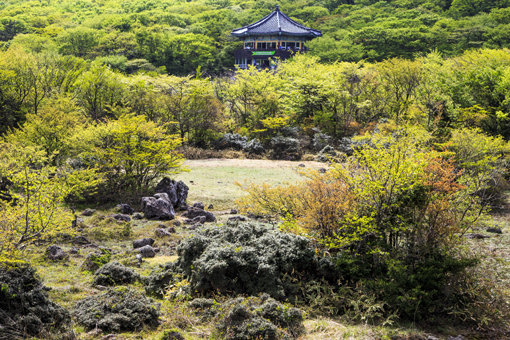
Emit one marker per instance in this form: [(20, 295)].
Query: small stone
[(74, 251), (81, 240), (234, 211), (160, 232), (137, 216), (143, 242), (125, 209), (210, 207), (494, 230), (177, 223), (476, 236), (198, 205), (55, 253), (237, 218), (322, 170), (88, 212), (171, 230), (139, 259), (301, 165), (146, 251), (121, 217)]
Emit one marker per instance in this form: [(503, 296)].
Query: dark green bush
[(246, 259), (25, 309), (119, 309), (259, 318), (159, 279), (114, 273)]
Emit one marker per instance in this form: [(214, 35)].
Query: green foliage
[(394, 214), (37, 210), (180, 38), (130, 152)]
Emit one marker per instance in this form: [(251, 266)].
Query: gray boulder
[(199, 205), (125, 209), (88, 212), (121, 217), (158, 207), (143, 242), (285, 148), (146, 251), (55, 253), (177, 191), (81, 240), (192, 213)]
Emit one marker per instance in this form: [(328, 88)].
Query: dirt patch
[(251, 163)]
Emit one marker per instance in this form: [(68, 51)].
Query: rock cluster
[(177, 191), (158, 207), (199, 214)]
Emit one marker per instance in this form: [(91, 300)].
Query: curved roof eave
[(245, 30), (281, 33)]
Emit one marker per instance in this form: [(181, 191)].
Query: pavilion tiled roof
[(276, 23)]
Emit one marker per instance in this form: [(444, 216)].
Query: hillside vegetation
[(371, 174), (178, 36)]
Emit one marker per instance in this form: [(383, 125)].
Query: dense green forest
[(178, 36), (399, 209)]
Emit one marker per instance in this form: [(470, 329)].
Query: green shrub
[(246, 259), (119, 309)]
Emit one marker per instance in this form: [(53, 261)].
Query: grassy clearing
[(213, 181)]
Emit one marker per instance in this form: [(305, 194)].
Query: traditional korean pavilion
[(274, 36)]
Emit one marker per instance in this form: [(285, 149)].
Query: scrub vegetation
[(149, 189)]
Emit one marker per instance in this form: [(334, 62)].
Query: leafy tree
[(131, 152), (36, 211), (98, 90), (190, 102), (51, 129), (185, 52), (79, 41)]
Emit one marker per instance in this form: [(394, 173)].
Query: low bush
[(158, 281), (114, 273), (25, 309), (259, 318), (118, 309), (246, 259)]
